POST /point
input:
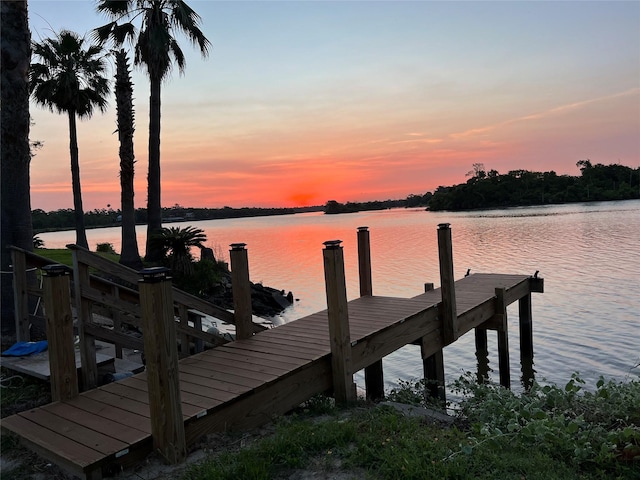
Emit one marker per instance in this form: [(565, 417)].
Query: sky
[(302, 102)]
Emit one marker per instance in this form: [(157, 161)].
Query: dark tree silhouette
[(15, 201), (156, 48), (70, 79)]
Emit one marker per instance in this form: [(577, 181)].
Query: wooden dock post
[(339, 337), (433, 365), (161, 352), (364, 262), (241, 287), (85, 315), (20, 295), (482, 355), (447, 285), (503, 339), (526, 340), (373, 374), (62, 358)]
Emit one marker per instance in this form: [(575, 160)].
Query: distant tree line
[(334, 207), (516, 188), (521, 187), (482, 190), (64, 219)]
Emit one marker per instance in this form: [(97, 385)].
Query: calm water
[(588, 319)]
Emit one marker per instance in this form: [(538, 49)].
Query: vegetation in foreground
[(546, 433)]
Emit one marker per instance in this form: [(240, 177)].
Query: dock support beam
[(482, 355), (161, 352), (373, 374), (503, 339), (433, 366), (62, 357), (448, 311), (241, 287), (526, 340), (339, 337)]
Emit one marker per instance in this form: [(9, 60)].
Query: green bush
[(205, 276), (593, 430), (105, 247)]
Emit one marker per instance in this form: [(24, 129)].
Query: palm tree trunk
[(15, 204), (129, 254), (154, 210), (81, 235)]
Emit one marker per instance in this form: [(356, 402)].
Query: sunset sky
[(302, 102)]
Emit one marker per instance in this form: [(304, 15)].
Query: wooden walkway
[(244, 383)]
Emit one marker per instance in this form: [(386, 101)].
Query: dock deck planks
[(246, 382)]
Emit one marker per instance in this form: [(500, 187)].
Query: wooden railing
[(100, 286)]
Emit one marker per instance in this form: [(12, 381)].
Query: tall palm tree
[(156, 49), (129, 254), (15, 205), (70, 78)]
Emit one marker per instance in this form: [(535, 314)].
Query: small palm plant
[(176, 243)]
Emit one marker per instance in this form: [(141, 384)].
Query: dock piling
[(433, 365), (62, 358), (241, 287), (156, 302), (373, 374), (447, 285), (526, 340), (482, 354), (339, 337), (503, 339)]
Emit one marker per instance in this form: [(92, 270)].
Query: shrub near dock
[(548, 432)]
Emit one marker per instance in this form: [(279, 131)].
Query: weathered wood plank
[(72, 456), (220, 376), (72, 430), (256, 409), (123, 403), (232, 366), (113, 413)]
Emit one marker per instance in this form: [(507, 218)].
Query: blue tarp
[(21, 349)]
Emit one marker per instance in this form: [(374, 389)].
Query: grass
[(547, 433), (64, 255)]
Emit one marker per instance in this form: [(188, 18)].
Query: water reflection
[(587, 319)]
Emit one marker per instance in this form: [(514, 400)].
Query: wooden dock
[(244, 383)]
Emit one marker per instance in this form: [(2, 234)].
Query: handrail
[(128, 274), (90, 289)]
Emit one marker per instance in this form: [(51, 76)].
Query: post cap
[(238, 246), (363, 229), (443, 226), (332, 244), (154, 274), (56, 270)]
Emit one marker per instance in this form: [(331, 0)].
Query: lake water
[(588, 319)]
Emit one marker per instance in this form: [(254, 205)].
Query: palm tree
[(15, 204), (176, 242), (70, 79), (156, 48), (129, 255)]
